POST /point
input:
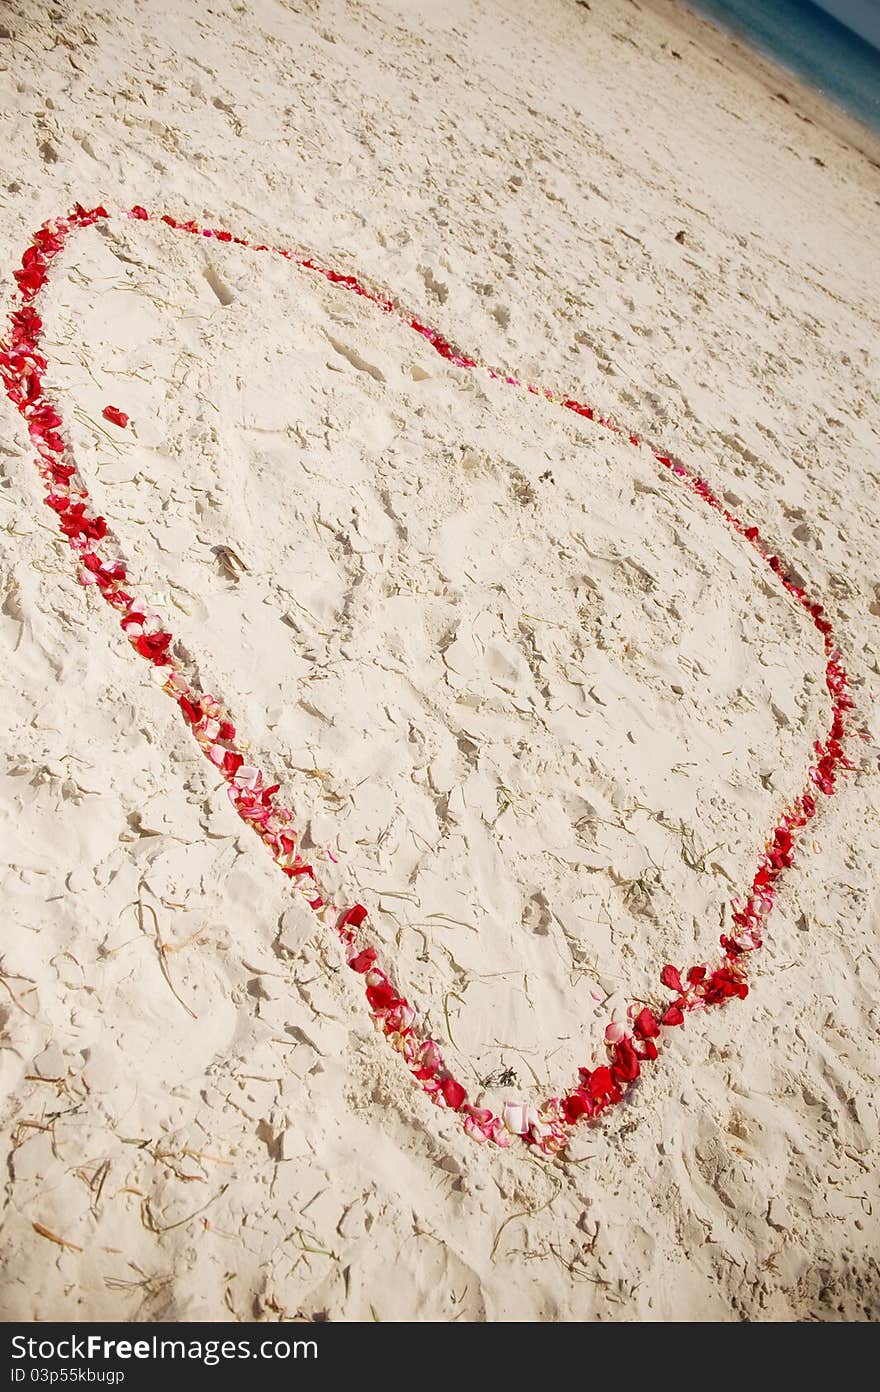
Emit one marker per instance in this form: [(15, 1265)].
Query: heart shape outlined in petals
[(253, 795)]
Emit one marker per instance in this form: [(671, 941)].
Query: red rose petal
[(672, 1016), (671, 977), (453, 1092), (645, 1024)]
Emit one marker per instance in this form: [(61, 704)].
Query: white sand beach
[(541, 706)]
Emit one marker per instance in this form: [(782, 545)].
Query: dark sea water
[(807, 41)]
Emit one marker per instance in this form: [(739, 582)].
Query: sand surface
[(541, 705)]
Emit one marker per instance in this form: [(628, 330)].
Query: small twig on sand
[(155, 1227), (526, 1213), (460, 999), (5, 984), (53, 1237), (161, 950), (312, 1247)]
